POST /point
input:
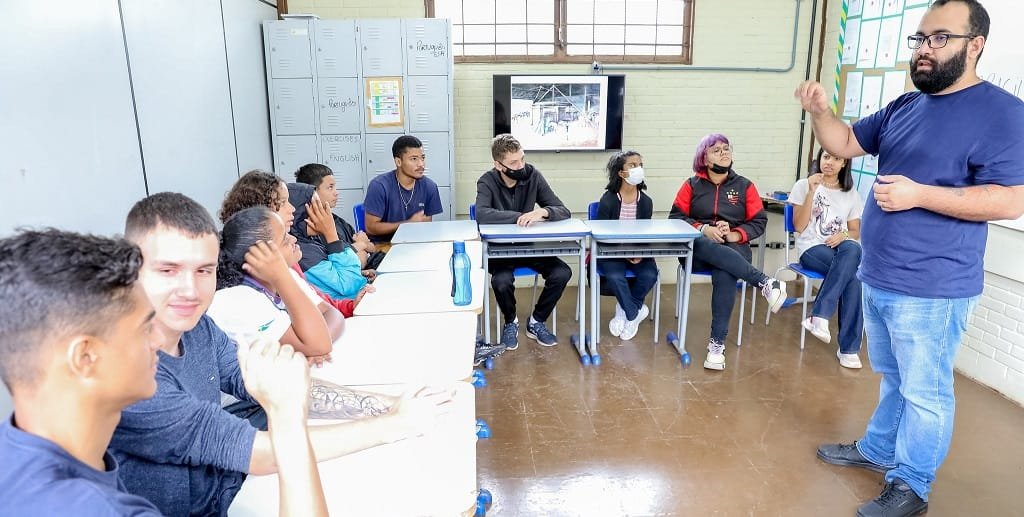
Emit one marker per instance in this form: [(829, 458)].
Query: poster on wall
[(850, 41), (855, 7), (868, 43), (888, 42), (851, 101), (872, 9), (871, 94), (894, 85), (911, 20), (384, 102), (892, 7)]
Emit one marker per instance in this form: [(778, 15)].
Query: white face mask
[(636, 176)]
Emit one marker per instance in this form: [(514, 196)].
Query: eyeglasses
[(718, 151), (934, 41)]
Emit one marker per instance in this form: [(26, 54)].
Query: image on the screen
[(559, 112)]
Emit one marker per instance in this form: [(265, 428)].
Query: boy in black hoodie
[(507, 194)]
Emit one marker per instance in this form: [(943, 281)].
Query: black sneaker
[(540, 333), (510, 335), (896, 500), (485, 352), (846, 454)]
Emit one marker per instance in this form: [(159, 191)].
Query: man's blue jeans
[(840, 289), (912, 343)]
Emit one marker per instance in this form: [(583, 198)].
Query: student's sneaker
[(896, 500), (631, 326), (485, 352), (851, 361), (537, 331), (818, 327), (616, 323), (774, 290), (510, 335), (716, 356)]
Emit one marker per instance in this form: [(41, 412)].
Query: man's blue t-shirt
[(38, 477), (971, 137), (386, 199), (179, 449)]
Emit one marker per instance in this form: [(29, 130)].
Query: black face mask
[(718, 169), (517, 174)]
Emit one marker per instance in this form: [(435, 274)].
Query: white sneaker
[(615, 324), (716, 356), (775, 292), (631, 326), (851, 361), (818, 327)]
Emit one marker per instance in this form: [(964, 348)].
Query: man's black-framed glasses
[(939, 40)]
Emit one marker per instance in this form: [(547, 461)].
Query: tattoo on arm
[(338, 402)]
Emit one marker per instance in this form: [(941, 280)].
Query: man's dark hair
[(169, 209), (405, 142), (241, 232), (57, 284), (979, 21), (312, 174), (615, 164), (254, 188)]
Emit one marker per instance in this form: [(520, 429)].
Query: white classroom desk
[(541, 239), (426, 256), (636, 239), (436, 231), (403, 348), (418, 292), (434, 474)]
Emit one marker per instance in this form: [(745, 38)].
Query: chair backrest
[(360, 217), (472, 212), (592, 210)]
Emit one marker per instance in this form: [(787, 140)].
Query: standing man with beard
[(514, 192), (951, 157)]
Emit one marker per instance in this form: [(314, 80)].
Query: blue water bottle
[(462, 291)]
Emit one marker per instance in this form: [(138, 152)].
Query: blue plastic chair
[(517, 272), (360, 217), (655, 315), (807, 274)]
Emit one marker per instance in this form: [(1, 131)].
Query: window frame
[(559, 41)]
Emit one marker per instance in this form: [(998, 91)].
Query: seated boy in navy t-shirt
[(403, 195)]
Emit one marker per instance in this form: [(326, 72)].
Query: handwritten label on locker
[(346, 139), (341, 104), (438, 49)]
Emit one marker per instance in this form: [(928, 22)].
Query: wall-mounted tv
[(561, 112)]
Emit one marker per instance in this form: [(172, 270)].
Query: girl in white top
[(258, 294), (826, 212)]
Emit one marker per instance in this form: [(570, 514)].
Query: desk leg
[(684, 310), (595, 291), (486, 298), (581, 343)]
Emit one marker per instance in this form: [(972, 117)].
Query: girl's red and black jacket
[(735, 201)]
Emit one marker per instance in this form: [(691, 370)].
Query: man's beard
[(942, 75)]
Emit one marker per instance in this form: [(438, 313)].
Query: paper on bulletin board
[(384, 102), (894, 85), (911, 19), (855, 8), (917, 2), (872, 9), (892, 7), (870, 164), (858, 163), (870, 95), (850, 41), (851, 101), (868, 43), (864, 184), (888, 42)]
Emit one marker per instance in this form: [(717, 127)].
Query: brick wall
[(993, 349)]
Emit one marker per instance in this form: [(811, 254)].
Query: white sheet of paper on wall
[(868, 43), (864, 184), (858, 163), (872, 9), (888, 42), (892, 7), (870, 95), (850, 41), (917, 2), (855, 7), (911, 19), (894, 86), (870, 164), (851, 100)]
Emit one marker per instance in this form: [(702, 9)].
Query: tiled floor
[(642, 435)]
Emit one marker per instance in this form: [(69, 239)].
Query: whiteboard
[(1002, 63)]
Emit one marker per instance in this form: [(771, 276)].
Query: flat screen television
[(561, 112)]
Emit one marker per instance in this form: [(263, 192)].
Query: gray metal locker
[(288, 45), (336, 48), (381, 42), (346, 200), (378, 154), (445, 193), (427, 47), (292, 152), (344, 155), (339, 105), (428, 103), (438, 152), (293, 106)]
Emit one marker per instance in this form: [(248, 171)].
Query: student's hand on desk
[(275, 375), (418, 411), (319, 360), (531, 217), (370, 274), (362, 292), (367, 243), (265, 262), (419, 217), (895, 193)]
